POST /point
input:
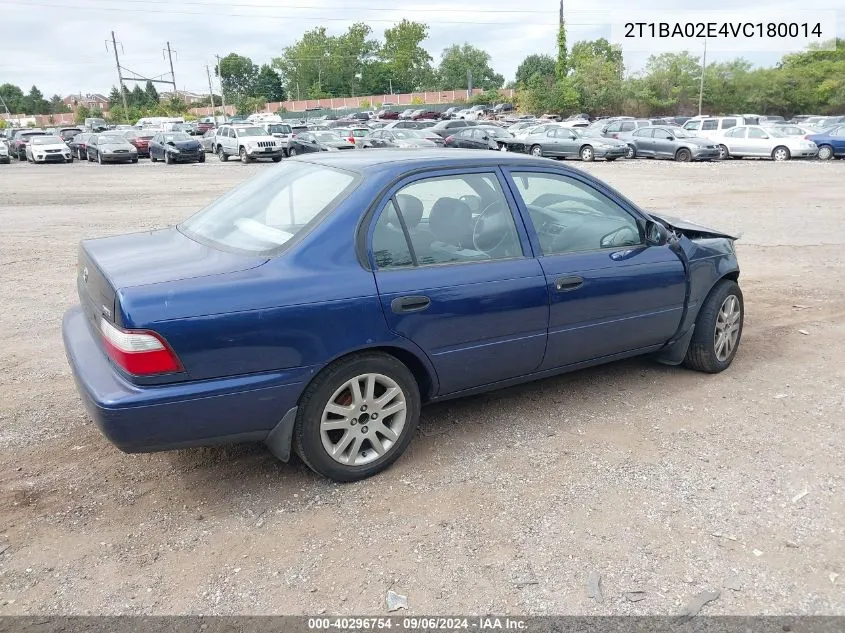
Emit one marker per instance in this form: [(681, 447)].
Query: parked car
[(248, 142), (408, 139), (176, 147), (485, 137), (388, 115), (67, 133), (96, 124), (17, 148), (557, 141), (615, 128), (407, 125), (281, 131), (207, 141), (669, 142), (79, 145), (790, 129), (713, 128), (141, 140), (48, 149), (431, 115), (319, 141), (4, 152), (445, 128), (353, 292), (355, 135), (501, 108), (758, 142), (831, 143), (110, 147), (408, 113)]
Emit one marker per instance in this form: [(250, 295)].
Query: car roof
[(407, 160)]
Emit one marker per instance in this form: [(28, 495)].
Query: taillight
[(448, 138), (139, 352), (807, 137), (351, 139)]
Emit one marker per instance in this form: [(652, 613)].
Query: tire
[(292, 151), (704, 354), (780, 153), (79, 154), (134, 160), (632, 152), (825, 152), (153, 159), (222, 155), (99, 158), (537, 151), (70, 160), (202, 158), (168, 160), (245, 159), (21, 157), (587, 154), (724, 154), (276, 159), (312, 442), (683, 155)]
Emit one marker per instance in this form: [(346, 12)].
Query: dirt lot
[(660, 479)]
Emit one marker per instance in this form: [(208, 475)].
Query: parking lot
[(661, 480)]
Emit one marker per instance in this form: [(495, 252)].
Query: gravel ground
[(658, 479)]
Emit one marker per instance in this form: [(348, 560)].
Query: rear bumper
[(146, 419)]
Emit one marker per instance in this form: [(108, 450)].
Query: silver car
[(4, 153), (658, 141), (207, 140), (566, 142), (759, 142)]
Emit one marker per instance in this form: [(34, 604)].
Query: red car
[(141, 141), (203, 127), (426, 114), (17, 147), (388, 115)]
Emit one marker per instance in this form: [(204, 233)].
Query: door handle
[(417, 303), (565, 284)]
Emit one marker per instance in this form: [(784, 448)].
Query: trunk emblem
[(85, 275)]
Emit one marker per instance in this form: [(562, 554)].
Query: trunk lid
[(107, 265)]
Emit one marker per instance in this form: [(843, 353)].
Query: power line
[(311, 18), (239, 5)]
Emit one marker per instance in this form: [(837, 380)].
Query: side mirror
[(670, 138), (656, 234)]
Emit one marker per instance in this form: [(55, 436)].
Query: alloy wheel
[(363, 420), (727, 328)]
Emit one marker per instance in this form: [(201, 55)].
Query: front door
[(662, 146), (609, 292), (456, 276), (644, 141)]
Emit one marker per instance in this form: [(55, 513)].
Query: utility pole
[(170, 59), (222, 91), (119, 77), (211, 94), (701, 84)]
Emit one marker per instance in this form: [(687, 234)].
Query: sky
[(60, 45)]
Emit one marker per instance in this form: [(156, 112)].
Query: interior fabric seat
[(451, 222)]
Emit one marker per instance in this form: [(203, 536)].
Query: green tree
[(57, 105), (176, 104), (672, 82), (409, 64), (543, 65), (549, 95), (304, 63), (237, 75), (250, 105), (457, 62), (13, 98), (138, 98), (82, 113), (35, 103), (152, 94), (268, 85), (597, 69)]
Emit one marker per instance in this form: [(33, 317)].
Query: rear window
[(261, 216)]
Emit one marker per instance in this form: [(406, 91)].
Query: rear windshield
[(260, 216), (278, 128)]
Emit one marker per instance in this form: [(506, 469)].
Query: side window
[(661, 134), (451, 220), (709, 124), (737, 132), (629, 126), (728, 123), (754, 132), (692, 125), (644, 132), (614, 127), (552, 133), (390, 247), (838, 132), (571, 217)]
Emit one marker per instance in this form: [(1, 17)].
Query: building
[(186, 96), (90, 101)]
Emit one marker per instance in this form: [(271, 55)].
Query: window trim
[(621, 201), (368, 223)]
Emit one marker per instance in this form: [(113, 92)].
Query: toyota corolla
[(318, 306)]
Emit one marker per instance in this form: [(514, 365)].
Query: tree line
[(33, 102)]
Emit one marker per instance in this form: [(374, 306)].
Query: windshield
[(406, 133), (497, 132), (110, 140), (263, 214), (251, 131), (681, 133), (46, 140), (174, 137)]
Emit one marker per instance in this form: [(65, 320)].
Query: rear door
[(837, 138), (610, 293), (456, 275)]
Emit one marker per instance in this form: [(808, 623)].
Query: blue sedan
[(831, 142), (176, 147), (319, 305)]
